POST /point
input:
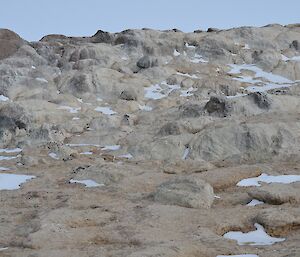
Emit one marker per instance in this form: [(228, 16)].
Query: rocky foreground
[(151, 143)]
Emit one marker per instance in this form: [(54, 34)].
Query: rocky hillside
[(136, 142)]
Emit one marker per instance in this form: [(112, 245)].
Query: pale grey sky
[(33, 19)]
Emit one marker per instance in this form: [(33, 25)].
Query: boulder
[(190, 192), (279, 222), (128, 95), (10, 42), (146, 62), (261, 99), (277, 193), (217, 105), (102, 37)]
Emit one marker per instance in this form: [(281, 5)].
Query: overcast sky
[(33, 19)]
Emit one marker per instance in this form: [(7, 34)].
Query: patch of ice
[(295, 58), (239, 255), (33, 67), (99, 99), (111, 148), (185, 153), (70, 109), (286, 59), (127, 156), (78, 145), (189, 46), (86, 182), (188, 92), (176, 53), (7, 158), (154, 92), (259, 73), (159, 91), (86, 153), (254, 202), (283, 179), (247, 47), (217, 197), (193, 76), (273, 81), (257, 237), (42, 80), (13, 150), (198, 59), (3, 98), (105, 110), (235, 96), (12, 181), (53, 156), (79, 100), (75, 118), (4, 169), (145, 108)]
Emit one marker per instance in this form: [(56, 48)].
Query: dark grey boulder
[(217, 105), (261, 99), (102, 37), (146, 62)]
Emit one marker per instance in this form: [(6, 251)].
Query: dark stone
[(256, 55), (217, 105), (295, 45), (128, 95), (168, 129), (212, 30), (79, 84), (146, 62), (198, 31), (12, 117), (128, 40), (102, 37), (261, 100)]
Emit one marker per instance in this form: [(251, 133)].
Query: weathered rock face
[(129, 135), (188, 192), (10, 42)]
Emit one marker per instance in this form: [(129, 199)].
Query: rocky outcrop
[(10, 42), (188, 192)]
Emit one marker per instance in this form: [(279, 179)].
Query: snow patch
[(176, 53), (86, 182), (105, 110), (70, 109), (283, 179), (255, 202), (198, 59), (54, 156), (13, 150), (3, 98), (43, 80), (257, 237), (111, 148), (12, 181)]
